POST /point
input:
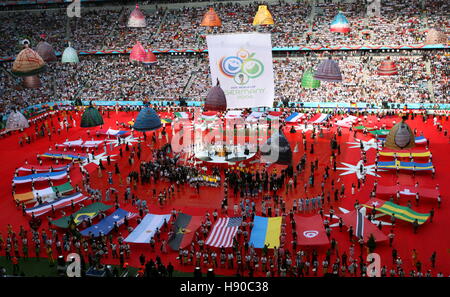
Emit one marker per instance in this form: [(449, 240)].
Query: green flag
[(64, 188), (89, 211)]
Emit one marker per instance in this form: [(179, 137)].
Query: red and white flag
[(310, 231), (350, 219), (223, 232)]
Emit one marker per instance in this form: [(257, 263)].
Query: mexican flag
[(182, 115)]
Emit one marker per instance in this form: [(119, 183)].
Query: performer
[(292, 130), (246, 151)]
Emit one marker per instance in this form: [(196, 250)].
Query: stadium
[(224, 138)]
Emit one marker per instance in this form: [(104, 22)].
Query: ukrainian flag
[(266, 231)]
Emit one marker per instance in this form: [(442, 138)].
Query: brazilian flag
[(90, 211), (184, 230)]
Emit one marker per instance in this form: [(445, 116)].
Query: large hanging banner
[(243, 65)]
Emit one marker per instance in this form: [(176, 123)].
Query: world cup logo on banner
[(242, 67)]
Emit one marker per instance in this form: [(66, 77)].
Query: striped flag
[(254, 116), (274, 115), (63, 155), (46, 193), (295, 117), (266, 231), (223, 232), (401, 212), (208, 117), (233, 114), (319, 118), (360, 215), (182, 115), (144, 232), (39, 177), (57, 204), (420, 139), (43, 168)]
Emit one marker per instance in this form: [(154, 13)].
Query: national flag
[(233, 114), (347, 122), (92, 143), (89, 211), (266, 231), (46, 193), (363, 127), (209, 116), (360, 216), (78, 142), (113, 132), (184, 231), (319, 118), (294, 117), (223, 232), (182, 115), (57, 204), (415, 153), (417, 140), (107, 224), (420, 139), (43, 168), (146, 229), (401, 212), (405, 165), (39, 177), (81, 143), (407, 191), (310, 231), (254, 116), (274, 115), (349, 220), (380, 132), (63, 155)]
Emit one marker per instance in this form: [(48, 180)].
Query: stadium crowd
[(101, 28), (113, 77)]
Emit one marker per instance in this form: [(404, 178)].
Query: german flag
[(184, 230)]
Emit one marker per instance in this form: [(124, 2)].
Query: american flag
[(223, 232)]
